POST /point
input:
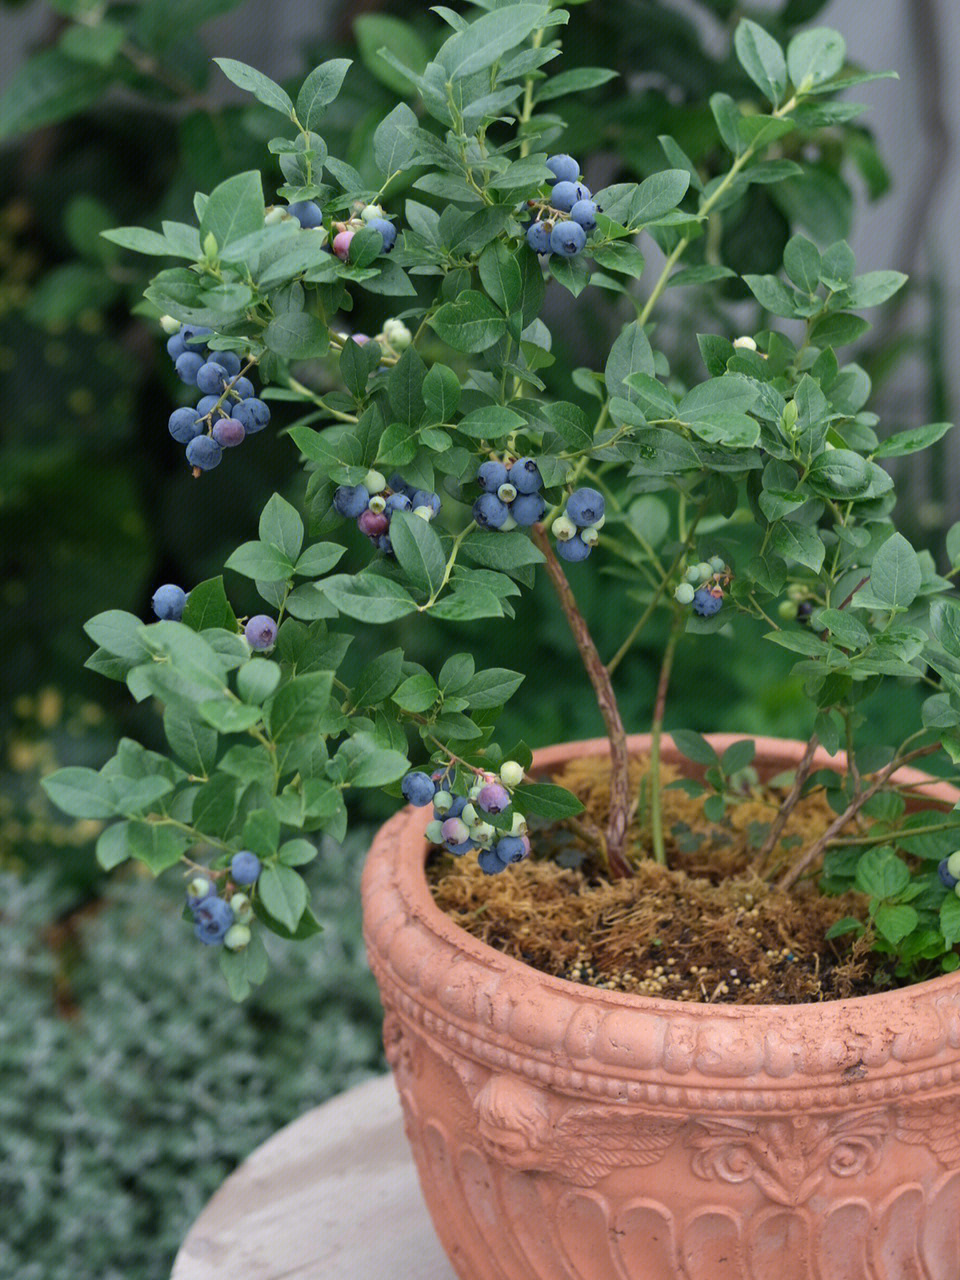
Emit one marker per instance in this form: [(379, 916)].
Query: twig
[(804, 769)]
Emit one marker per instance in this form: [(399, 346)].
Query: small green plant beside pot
[(756, 493)]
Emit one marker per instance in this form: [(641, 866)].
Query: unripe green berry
[(275, 215), (506, 492), (511, 773), (519, 827), (242, 908), (237, 937), (598, 524), (377, 504), (469, 814), (953, 864), (198, 887), (370, 211), (508, 524), (693, 574), (796, 591), (442, 801), (169, 325), (706, 570), (434, 831), (425, 513), (563, 528), (717, 564), (684, 593), (788, 610), (589, 535), (474, 792), (374, 482), (745, 343), (483, 832)]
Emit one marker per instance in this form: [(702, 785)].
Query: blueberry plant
[(756, 493)]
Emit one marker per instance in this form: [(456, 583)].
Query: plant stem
[(606, 701), (788, 806), (656, 733), (810, 854)]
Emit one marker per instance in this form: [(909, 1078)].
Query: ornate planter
[(567, 1133)]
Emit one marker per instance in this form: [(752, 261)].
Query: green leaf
[(441, 392), (318, 559), (119, 633), (507, 552), (631, 353), (570, 423), (470, 324), (912, 441), (368, 597), (378, 679), (81, 793), (881, 874), (234, 209), (283, 894), (895, 922), (895, 574), (297, 335), (320, 89), (773, 295), (99, 43), (839, 473), (193, 743), (207, 607), (950, 919), (801, 261), (490, 423), (737, 756), (405, 387), (157, 847), (945, 625), (491, 688), (481, 43), (873, 288), (376, 31), (815, 56), (417, 693), (798, 542), (48, 87), (546, 800), (262, 87), (418, 549), (257, 679), (281, 527), (573, 81), (500, 276), (229, 717), (657, 195), (296, 708), (394, 139), (362, 762), (694, 746), (762, 58), (620, 256), (112, 847), (140, 240), (260, 561)]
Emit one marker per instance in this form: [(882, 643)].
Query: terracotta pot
[(567, 1133)]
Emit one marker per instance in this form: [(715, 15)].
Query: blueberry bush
[(754, 491)]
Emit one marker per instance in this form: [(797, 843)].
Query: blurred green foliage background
[(117, 118)]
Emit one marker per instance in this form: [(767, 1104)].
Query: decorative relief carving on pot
[(529, 1128), (788, 1157), (935, 1126)]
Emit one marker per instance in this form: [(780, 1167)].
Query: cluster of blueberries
[(511, 494), (228, 410), (394, 335), (373, 502), (458, 823), (169, 602), (219, 920), (577, 530), (371, 216), (564, 222), (703, 586), (949, 870), (796, 606)]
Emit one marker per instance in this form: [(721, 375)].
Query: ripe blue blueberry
[(564, 196), (489, 862), (563, 167), (169, 602), (261, 632), (525, 476), (188, 366), (228, 432), (229, 360), (206, 404), (184, 426), (511, 848), (489, 512), (567, 239), (214, 917), (385, 545), (211, 378), (527, 509), (585, 507), (350, 500), (256, 414), (458, 850), (398, 502), (491, 476), (494, 798), (424, 498), (706, 604), (204, 453), (245, 867), (193, 331), (307, 213), (387, 231), (584, 212), (574, 549), (418, 789), (176, 346), (538, 237), (242, 387), (946, 879)]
